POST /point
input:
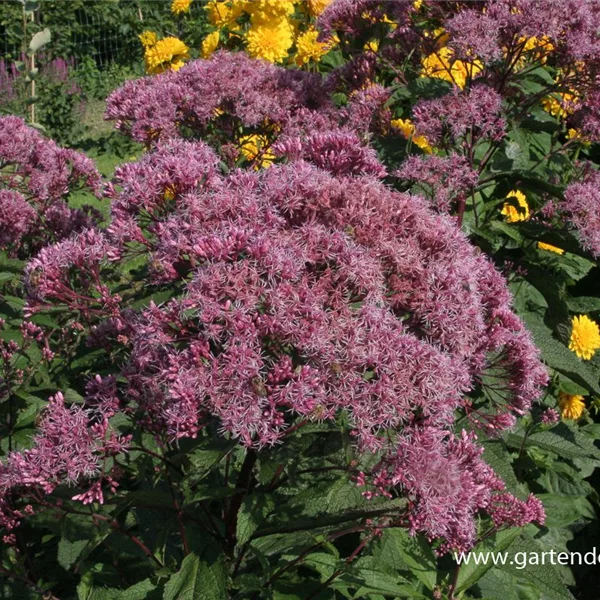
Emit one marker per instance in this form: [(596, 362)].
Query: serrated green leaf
[(140, 591), (559, 357), (545, 577), (564, 510), (416, 553), (69, 552), (561, 440), (250, 516), (199, 578), (584, 304), (471, 572)]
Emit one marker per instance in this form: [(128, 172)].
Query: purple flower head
[(318, 287), (441, 179), (68, 448), (340, 153), (35, 168), (581, 207), (16, 218), (477, 112), (550, 417), (229, 88), (52, 274)]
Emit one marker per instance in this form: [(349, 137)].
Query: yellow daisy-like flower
[(224, 14), (571, 405), (513, 214), (265, 12), (179, 7), (417, 4), (550, 248), (442, 65), (148, 38), (407, 129), (533, 49), (560, 105), (209, 44), (316, 7), (585, 337), (168, 53), (270, 41), (255, 148), (308, 48)]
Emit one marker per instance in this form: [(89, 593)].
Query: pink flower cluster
[(581, 207), (69, 272), (71, 446), (306, 291), (442, 179), (464, 116), (446, 482), (36, 177), (225, 91)]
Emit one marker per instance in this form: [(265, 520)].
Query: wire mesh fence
[(93, 48)]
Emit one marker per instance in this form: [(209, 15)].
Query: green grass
[(107, 148)]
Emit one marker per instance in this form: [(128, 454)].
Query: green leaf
[(140, 591), (416, 553), (545, 577), (564, 510), (198, 579), (73, 397), (508, 229), (497, 456), (561, 440), (69, 552), (363, 574), (559, 357), (584, 304), (499, 585), (470, 573), (251, 515)]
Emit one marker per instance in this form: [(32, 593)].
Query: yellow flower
[(168, 53), (571, 405), (209, 44), (224, 14), (550, 248), (264, 12), (576, 134), (407, 129), (441, 65), (417, 4), (533, 49), (256, 148), (316, 7), (270, 41), (179, 7), (170, 192), (372, 45), (148, 38), (511, 212), (560, 105), (308, 48), (585, 337)]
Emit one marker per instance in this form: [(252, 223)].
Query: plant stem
[(243, 485)]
